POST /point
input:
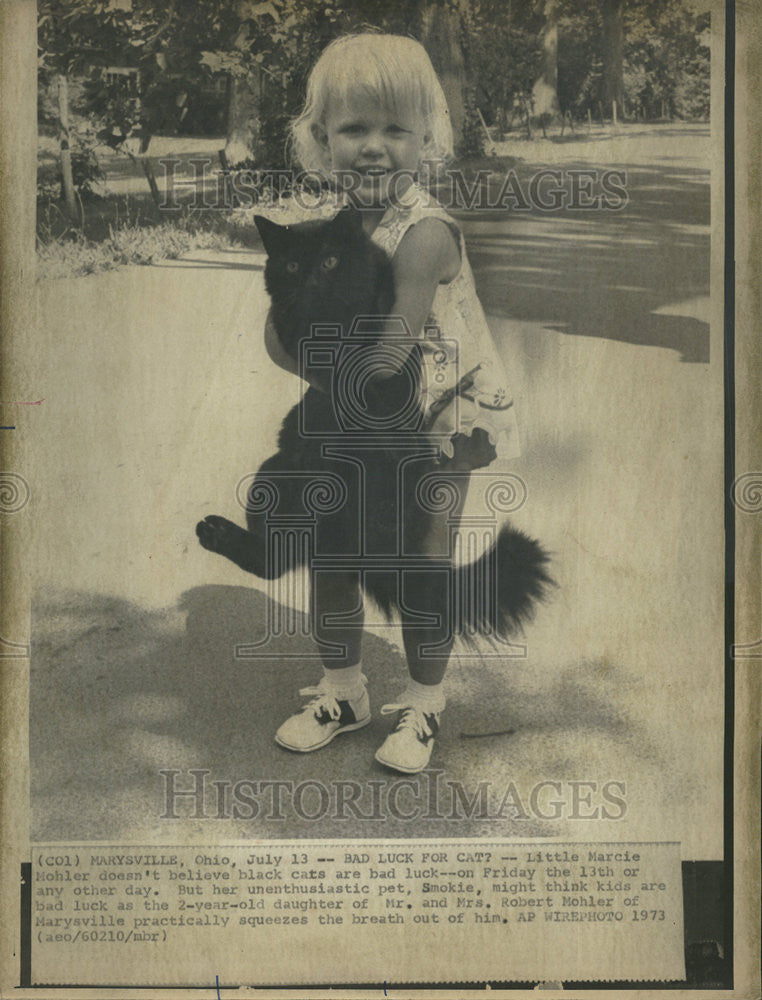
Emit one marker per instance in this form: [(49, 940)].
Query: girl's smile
[(374, 143)]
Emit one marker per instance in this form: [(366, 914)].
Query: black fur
[(304, 291), (329, 273)]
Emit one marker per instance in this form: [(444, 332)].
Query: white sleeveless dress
[(464, 378)]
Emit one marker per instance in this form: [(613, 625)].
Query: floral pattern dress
[(465, 385)]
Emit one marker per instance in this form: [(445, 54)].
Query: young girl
[(375, 111)]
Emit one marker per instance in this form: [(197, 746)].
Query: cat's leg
[(277, 485), (245, 549)]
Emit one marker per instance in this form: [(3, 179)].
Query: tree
[(265, 47), (491, 54), (545, 90), (613, 53), (64, 139), (649, 55), (71, 37), (441, 34), (503, 56), (262, 35)]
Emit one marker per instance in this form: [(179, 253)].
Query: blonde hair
[(394, 70)]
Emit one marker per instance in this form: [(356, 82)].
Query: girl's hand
[(471, 451)]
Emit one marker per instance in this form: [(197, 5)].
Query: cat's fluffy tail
[(494, 596)]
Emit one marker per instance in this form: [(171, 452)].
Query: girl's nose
[(373, 144)]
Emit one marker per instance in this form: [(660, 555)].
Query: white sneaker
[(408, 747), (323, 718)]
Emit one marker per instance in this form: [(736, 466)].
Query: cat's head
[(320, 263)]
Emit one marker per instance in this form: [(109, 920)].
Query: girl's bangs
[(397, 88)]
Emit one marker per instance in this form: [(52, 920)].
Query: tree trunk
[(244, 98), (613, 54), (441, 37), (67, 179), (545, 90)]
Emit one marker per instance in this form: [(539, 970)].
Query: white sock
[(344, 682), (428, 698)]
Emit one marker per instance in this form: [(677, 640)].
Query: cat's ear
[(273, 235)]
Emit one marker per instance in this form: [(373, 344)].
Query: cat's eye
[(292, 267), (330, 263)]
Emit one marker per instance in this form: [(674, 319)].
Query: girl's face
[(372, 142)]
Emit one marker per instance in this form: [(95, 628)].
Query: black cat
[(355, 442), (324, 276)]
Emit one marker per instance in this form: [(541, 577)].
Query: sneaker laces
[(324, 701), (411, 718)]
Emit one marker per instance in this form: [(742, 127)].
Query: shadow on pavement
[(120, 693), (602, 273)]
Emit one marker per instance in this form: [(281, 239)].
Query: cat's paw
[(218, 534)]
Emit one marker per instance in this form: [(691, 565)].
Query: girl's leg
[(429, 591), (426, 591), (339, 701), (337, 594)]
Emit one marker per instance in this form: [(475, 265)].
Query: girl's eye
[(330, 263), (292, 267)]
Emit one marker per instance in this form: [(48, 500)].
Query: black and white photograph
[(368, 468)]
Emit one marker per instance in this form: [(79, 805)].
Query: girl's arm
[(427, 256)]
